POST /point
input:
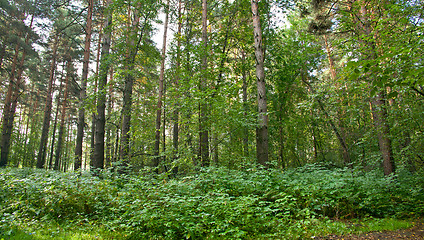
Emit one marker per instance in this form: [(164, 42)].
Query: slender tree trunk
[(175, 129), (93, 116), (109, 138), (262, 129), (41, 157), (330, 121), (99, 147), (81, 110), (56, 115), (2, 53), (161, 91), (203, 124), (340, 114), (245, 105), (62, 118)]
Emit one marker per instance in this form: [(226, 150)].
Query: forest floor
[(416, 232)]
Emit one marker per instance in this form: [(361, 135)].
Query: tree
[(161, 90), (85, 68), (60, 140), (41, 157), (203, 118), (15, 81), (262, 129), (99, 147)]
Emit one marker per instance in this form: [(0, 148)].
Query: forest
[(210, 119)]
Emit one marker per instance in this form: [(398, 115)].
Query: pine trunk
[(161, 92), (62, 119), (11, 100), (56, 115), (7, 119), (41, 157), (81, 110)]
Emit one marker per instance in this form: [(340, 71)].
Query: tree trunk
[(203, 121), (62, 118), (262, 129), (161, 92), (340, 114), (50, 166), (81, 110), (41, 157), (7, 120), (99, 147), (109, 136), (378, 102), (11, 100), (245, 106), (176, 113), (330, 121), (379, 114)]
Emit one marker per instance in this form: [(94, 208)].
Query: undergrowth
[(215, 203)]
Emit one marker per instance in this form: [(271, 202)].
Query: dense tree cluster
[(237, 82)]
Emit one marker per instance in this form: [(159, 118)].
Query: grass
[(37, 230), (46, 230)]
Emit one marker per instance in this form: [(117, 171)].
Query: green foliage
[(215, 203)]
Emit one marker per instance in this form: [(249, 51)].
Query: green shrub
[(215, 203)]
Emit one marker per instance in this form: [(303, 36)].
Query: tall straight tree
[(132, 44), (378, 102), (161, 88), (59, 95), (262, 129), (99, 146), (63, 114), (7, 118), (85, 66), (41, 157), (175, 130), (12, 95), (203, 126)]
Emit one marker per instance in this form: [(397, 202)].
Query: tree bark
[(7, 119), (161, 92), (93, 116), (262, 129), (11, 100), (175, 129), (129, 81), (378, 102), (41, 157), (245, 105), (85, 67), (62, 118), (203, 121), (56, 115), (99, 146), (342, 139)]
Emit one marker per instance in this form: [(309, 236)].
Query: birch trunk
[(262, 129)]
